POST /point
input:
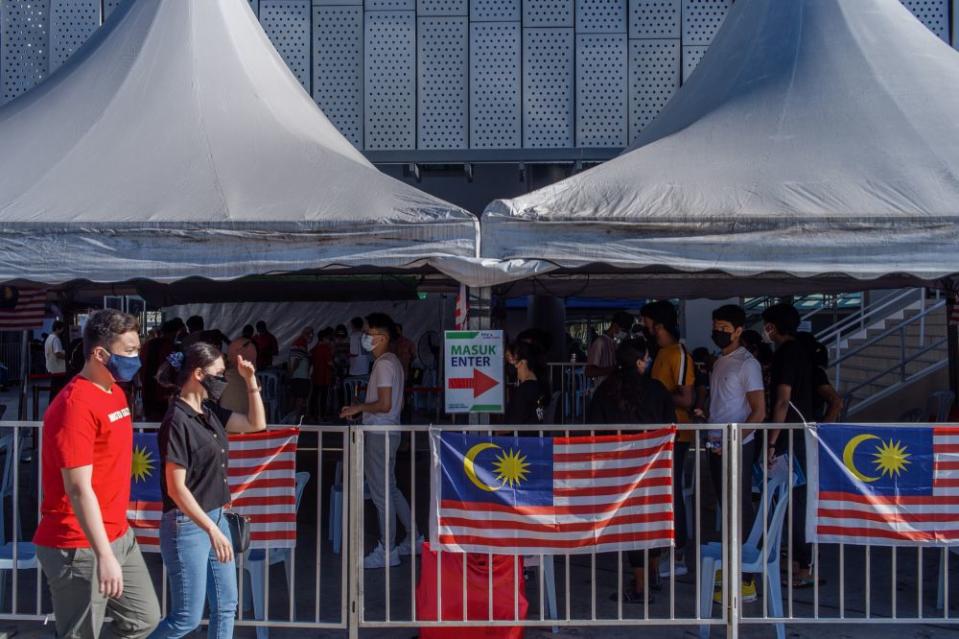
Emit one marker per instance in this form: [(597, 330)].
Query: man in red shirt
[(85, 546), (266, 347), (322, 374)]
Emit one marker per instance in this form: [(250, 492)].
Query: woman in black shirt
[(629, 396), (194, 535), (527, 401)]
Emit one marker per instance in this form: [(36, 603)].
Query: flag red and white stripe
[(461, 312), (612, 492), (27, 313), (902, 519), (262, 476)]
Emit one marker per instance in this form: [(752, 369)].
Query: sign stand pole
[(480, 303)]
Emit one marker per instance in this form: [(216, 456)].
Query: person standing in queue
[(527, 402), (85, 546), (630, 396), (674, 368), (194, 454), (382, 406)]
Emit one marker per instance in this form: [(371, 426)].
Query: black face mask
[(214, 385), (722, 339)]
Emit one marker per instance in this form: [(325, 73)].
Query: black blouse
[(198, 443), (524, 403)]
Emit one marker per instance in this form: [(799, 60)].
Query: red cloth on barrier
[(505, 576)]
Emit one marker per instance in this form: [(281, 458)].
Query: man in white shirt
[(359, 360), (56, 358), (736, 396), (383, 406)]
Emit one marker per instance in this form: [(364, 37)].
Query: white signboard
[(474, 372)]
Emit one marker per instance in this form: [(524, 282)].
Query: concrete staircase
[(887, 362)]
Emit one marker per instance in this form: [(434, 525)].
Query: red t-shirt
[(322, 355), (85, 426)]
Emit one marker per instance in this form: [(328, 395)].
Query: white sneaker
[(679, 568), (407, 548), (377, 558)]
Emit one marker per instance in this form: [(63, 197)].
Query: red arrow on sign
[(480, 382)]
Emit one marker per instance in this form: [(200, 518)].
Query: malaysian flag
[(21, 309), (552, 495), (462, 310), (262, 476), (146, 500), (883, 485)]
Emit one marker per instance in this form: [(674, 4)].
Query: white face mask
[(367, 343), (766, 337)]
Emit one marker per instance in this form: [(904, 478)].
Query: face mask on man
[(123, 368), (722, 339), (214, 385), (367, 343)]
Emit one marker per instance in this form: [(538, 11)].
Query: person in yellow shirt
[(674, 368)]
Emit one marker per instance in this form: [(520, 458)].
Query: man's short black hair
[(357, 322), (247, 331), (383, 322), (261, 326), (624, 320), (662, 312), (195, 323), (58, 326), (104, 327), (731, 313), (784, 317)]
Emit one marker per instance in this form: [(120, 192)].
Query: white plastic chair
[(755, 557), (253, 565)]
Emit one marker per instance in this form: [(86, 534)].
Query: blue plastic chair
[(754, 557), (26, 551), (253, 565)]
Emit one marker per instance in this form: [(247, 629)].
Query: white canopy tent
[(816, 146), (176, 143)]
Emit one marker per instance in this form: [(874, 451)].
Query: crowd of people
[(201, 385), (640, 372), (314, 372), (85, 545)]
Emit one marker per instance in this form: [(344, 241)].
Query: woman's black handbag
[(239, 531)]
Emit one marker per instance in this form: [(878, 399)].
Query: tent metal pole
[(24, 375)]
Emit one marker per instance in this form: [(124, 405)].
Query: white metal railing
[(835, 336), (326, 574), (851, 584)]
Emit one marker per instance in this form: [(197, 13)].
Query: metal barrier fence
[(267, 600), (324, 584)]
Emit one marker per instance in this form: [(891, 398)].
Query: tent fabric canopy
[(816, 138), (177, 143)]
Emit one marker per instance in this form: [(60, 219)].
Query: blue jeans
[(193, 568)]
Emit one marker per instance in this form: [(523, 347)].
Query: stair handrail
[(889, 331), (861, 319)]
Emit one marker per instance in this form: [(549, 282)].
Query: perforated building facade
[(452, 80)]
